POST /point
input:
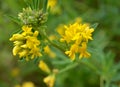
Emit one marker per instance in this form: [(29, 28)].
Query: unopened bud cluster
[(32, 17)]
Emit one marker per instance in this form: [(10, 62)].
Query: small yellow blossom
[(50, 80), (83, 52), (43, 66), (55, 71), (52, 37), (27, 30), (72, 51), (17, 37), (26, 43), (60, 29), (49, 51), (28, 84), (54, 8), (78, 19), (77, 36), (51, 4), (70, 32)]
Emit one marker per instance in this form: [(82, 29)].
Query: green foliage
[(102, 69)]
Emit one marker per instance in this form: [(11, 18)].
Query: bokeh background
[(106, 43)]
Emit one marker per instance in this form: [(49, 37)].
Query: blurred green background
[(106, 44)]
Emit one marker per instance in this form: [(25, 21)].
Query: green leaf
[(117, 66), (45, 5), (116, 77), (29, 3), (15, 19), (38, 4), (94, 25)]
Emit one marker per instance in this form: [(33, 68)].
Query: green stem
[(45, 5), (89, 65), (53, 44), (74, 64), (101, 81), (107, 83), (104, 82), (68, 68)]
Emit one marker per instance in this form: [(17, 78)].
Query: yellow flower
[(23, 53), (16, 49), (73, 32), (35, 52), (27, 29), (77, 36), (32, 42), (26, 43), (50, 80), (49, 51), (73, 50), (28, 84), (83, 52), (52, 37), (78, 19), (70, 32), (43, 66), (17, 37), (60, 29), (51, 4), (54, 8)]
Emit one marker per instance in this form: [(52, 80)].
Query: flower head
[(77, 36), (50, 80), (43, 66), (60, 29), (28, 84), (32, 17), (82, 51), (26, 43)]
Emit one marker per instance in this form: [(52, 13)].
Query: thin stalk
[(107, 83), (76, 64), (45, 5), (90, 66), (38, 4), (53, 44), (33, 3), (101, 81), (68, 68)]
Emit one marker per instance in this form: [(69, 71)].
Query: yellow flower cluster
[(43, 66), (77, 35), (26, 43), (50, 79)]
